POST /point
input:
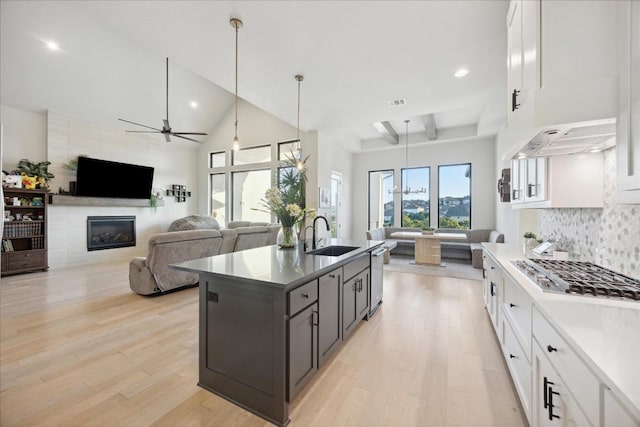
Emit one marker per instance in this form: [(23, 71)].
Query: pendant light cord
[(236, 124)]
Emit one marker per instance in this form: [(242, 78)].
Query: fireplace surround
[(110, 232)]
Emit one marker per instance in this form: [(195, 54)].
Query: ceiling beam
[(387, 131), (429, 121)]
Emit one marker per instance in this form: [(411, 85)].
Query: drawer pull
[(551, 349), (512, 305), (493, 285), (333, 276), (511, 356), (304, 295)]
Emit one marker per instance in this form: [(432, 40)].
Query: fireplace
[(110, 232)]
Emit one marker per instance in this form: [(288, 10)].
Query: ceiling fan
[(166, 128)]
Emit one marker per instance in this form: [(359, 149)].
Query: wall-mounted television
[(103, 178)]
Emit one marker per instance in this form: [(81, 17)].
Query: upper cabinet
[(575, 181), (560, 56), (628, 124)]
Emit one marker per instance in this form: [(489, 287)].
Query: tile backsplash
[(609, 237)]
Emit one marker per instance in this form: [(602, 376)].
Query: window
[(415, 206), (286, 148), (217, 160), (218, 194), (454, 196), (251, 155), (381, 204), (248, 187)]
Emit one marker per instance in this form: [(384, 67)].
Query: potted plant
[(427, 230), (530, 242), (34, 174)]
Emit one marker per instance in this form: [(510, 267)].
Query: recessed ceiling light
[(52, 45), (521, 155), (461, 72), (193, 104)]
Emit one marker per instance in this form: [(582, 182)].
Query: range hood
[(561, 140)]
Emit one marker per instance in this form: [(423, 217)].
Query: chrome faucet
[(313, 238)]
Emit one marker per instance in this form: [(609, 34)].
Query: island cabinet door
[(303, 349), (349, 305), (329, 312), (362, 295)]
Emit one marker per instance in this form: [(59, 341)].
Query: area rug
[(454, 268)]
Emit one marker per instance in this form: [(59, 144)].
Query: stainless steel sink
[(333, 250)]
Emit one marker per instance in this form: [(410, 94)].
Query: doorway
[(336, 205)]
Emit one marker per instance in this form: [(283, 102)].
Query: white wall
[(480, 152), (25, 134)]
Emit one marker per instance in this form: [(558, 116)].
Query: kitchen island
[(270, 318)]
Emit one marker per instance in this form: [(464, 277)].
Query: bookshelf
[(24, 234)]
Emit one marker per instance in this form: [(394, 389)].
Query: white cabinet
[(530, 180), (492, 290), (628, 124), (559, 65), (553, 404), (615, 413), (575, 181), (576, 378)]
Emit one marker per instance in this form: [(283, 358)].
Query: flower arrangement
[(287, 201)]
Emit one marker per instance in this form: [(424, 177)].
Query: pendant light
[(407, 190), (237, 24), (299, 78)]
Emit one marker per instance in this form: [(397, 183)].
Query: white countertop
[(604, 332)]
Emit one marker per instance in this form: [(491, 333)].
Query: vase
[(287, 237)]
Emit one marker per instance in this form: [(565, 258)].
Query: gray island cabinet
[(271, 317)]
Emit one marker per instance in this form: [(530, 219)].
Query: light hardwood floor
[(78, 348)]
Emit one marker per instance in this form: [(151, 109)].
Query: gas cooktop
[(580, 278)]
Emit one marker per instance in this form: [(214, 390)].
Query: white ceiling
[(355, 56)]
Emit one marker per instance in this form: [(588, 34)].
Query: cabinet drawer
[(25, 259), (301, 297), (517, 308), (356, 266), (519, 366), (575, 375), (4, 259)]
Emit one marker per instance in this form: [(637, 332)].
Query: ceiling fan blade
[(188, 133), (188, 139), (166, 126), (138, 124), (167, 137), (143, 131)]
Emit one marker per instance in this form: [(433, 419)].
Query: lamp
[(237, 24), (299, 78), (408, 189)]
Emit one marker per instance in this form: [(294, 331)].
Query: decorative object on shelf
[(29, 175), (407, 189), (179, 192), (237, 24), (72, 166), (166, 128)]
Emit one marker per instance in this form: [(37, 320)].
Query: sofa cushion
[(194, 222), (238, 224), (179, 246), (477, 236), (251, 237)]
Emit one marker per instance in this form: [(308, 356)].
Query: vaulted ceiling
[(355, 56)]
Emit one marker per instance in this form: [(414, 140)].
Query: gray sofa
[(467, 249), (191, 238)]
